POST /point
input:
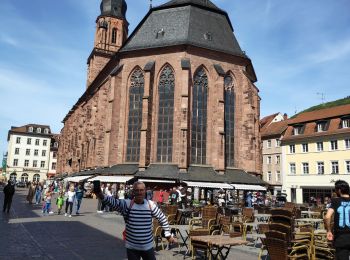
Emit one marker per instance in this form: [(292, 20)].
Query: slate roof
[(198, 173), (185, 22), (163, 171)]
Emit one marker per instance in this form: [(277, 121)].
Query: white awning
[(155, 180), (248, 187), (77, 178), (214, 185), (112, 178)]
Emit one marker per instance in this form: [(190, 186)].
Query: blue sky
[(298, 48)]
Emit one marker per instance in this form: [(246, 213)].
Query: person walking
[(79, 194), (9, 191), (48, 198), (69, 201), (30, 193), (59, 202), (38, 191), (340, 208), (138, 214)]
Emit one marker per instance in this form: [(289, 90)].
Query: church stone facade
[(178, 91)]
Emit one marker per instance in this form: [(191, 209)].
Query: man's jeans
[(137, 254)]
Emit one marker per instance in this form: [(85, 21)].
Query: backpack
[(126, 217)]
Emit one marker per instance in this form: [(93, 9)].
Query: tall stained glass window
[(165, 115), (136, 90), (199, 117), (229, 121)]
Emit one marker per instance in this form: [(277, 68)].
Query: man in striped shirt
[(138, 214)]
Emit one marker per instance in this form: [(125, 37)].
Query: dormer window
[(38, 130), (345, 122), (30, 129), (46, 131), (322, 126), (298, 129)]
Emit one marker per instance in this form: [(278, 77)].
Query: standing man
[(138, 214), (9, 191), (340, 207)]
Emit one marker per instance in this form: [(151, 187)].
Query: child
[(59, 202), (48, 197)]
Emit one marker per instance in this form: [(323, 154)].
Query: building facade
[(178, 91), (53, 156), (316, 153), (272, 130), (28, 154)]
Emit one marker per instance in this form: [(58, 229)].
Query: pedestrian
[(173, 196), (38, 191), (249, 199), (341, 233), (79, 194), (160, 197), (9, 191), (69, 201), (30, 193), (138, 214), (149, 193), (48, 198), (121, 193), (59, 202)]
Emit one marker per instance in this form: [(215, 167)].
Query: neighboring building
[(178, 91), (53, 156), (316, 153), (28, 152), (272, 130)]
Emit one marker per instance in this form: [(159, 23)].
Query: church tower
[(111, 33)]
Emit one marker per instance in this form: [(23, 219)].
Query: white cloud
[(331, 51)]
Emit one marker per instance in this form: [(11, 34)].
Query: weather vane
[(150, 4)]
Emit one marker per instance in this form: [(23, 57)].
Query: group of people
[(67, 195)]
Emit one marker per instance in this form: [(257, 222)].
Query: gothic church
[(174, 100)]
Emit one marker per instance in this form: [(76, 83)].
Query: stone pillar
[(184, 121), (219, 128), (146, 116)]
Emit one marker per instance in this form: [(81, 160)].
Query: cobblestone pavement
[(26, 234)]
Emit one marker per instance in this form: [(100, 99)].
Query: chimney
[(285, 116)]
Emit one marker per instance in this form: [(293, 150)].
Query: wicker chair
[(279, 250), (322, 249), (262, 229), (157, 234)]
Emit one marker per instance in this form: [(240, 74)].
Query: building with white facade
[(272, 130), (316, 153), (28, 155)]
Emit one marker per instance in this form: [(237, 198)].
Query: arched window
[(36, 178), (199, 118), (165, 115), (24, 177), (13, 177), (135, 115), (114, 35), (229, 121)]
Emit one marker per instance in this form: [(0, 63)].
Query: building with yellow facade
[(316, 153)]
